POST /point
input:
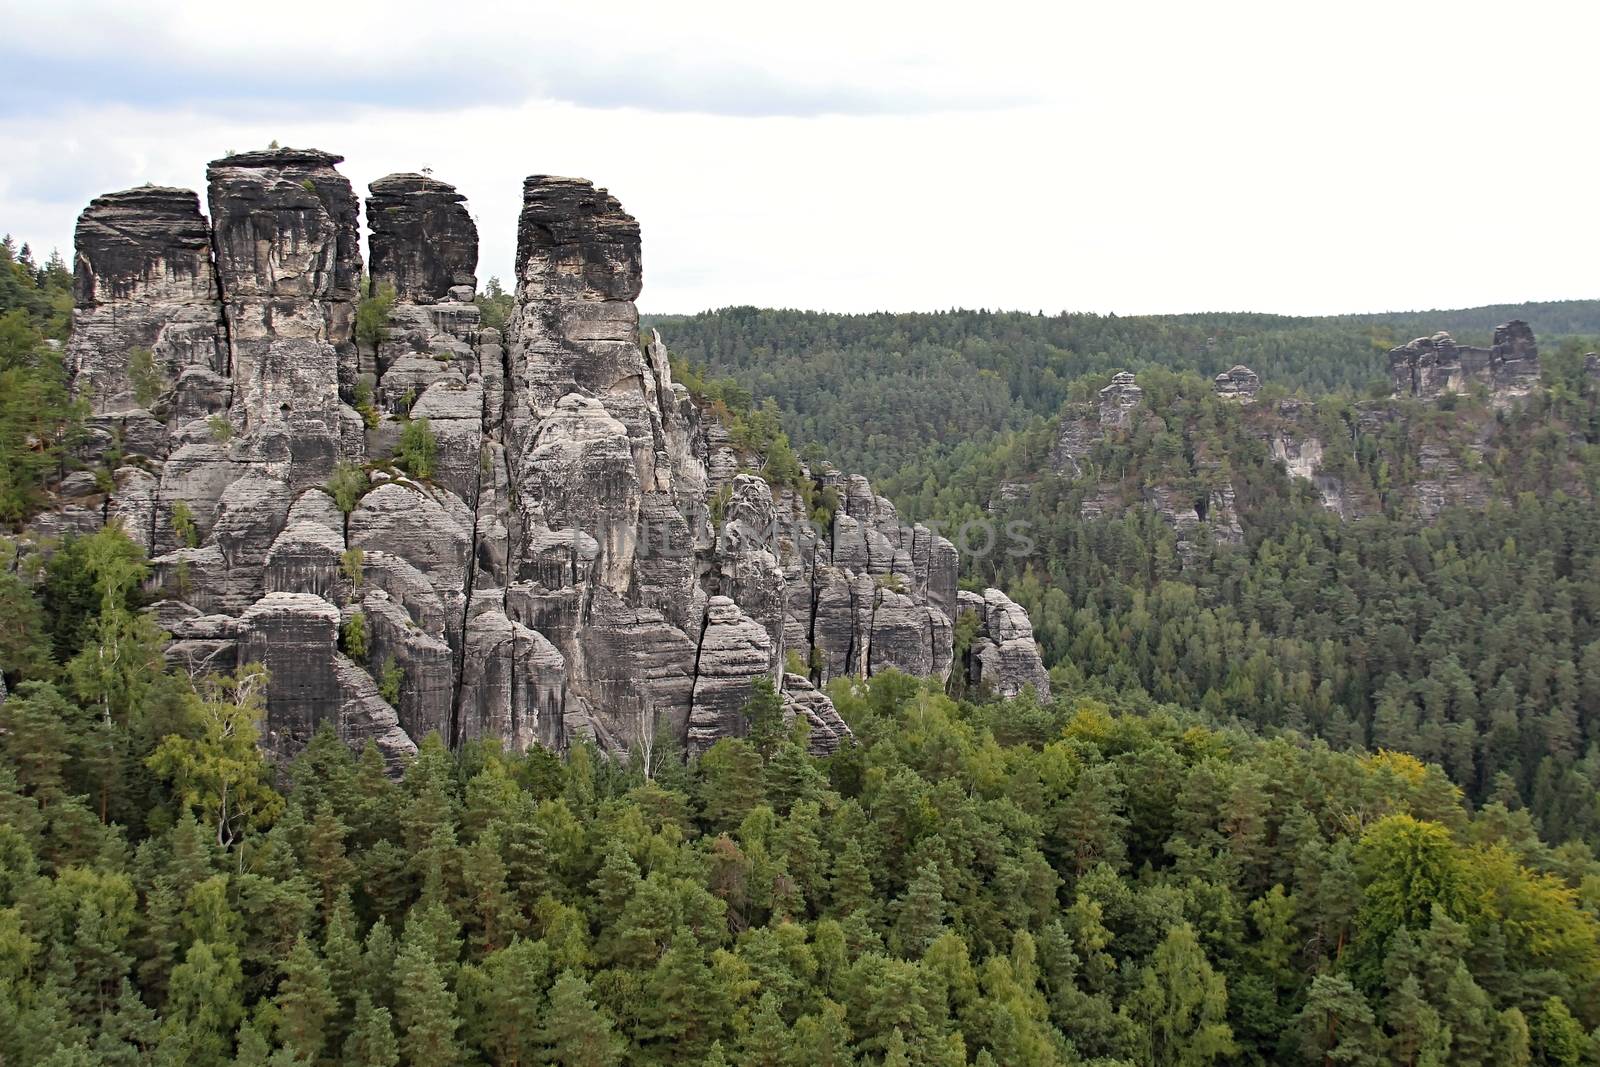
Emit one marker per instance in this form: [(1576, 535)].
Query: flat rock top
[(153, 199), (279, 157), (549, 199), (414, 186)]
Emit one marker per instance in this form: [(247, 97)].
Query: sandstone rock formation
[(586, 556), (1429, 367), (146, 299), (1238, 383), (1004, 656), (424, 243)]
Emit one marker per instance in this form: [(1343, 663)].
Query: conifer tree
[(425, 1009), (371, 1042), (305, 1003), (576, 1033)]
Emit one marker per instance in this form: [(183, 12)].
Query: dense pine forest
[(1090, 881), (879, 390), (1321, 796), (1468, 637)]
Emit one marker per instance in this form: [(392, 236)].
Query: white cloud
[(1152, 158)]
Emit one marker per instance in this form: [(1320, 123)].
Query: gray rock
[(513, 684), (424, 243), (1004, 657), (287, 246), (1239, 383), (407, 523), (366, 718), (425, 663), (1119, 400), (558, 576), (802, 698), (734, 651), (293, 635), (305, 558), (142, 283)]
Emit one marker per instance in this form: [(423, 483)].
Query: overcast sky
[(1128, 157)]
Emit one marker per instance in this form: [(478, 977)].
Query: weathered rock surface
[(424, 243), (734, 651), (1429, 367), (586, 557), (1238, 383), (144, 293), (1119, 400), (1004, 657)]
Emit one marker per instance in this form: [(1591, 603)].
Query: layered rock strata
[(1429, 367), (581, 553)]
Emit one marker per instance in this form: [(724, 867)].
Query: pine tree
[(920, 918), (685, 1006), (767, 1041), (822, 1039), (850, 886), (1336, 1025), (576, 1033), (502, 1002), (371, 1042), (425, 1009), (763, 717), (305, 1003)]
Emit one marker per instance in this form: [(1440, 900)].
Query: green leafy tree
[(1181, 1003), (418, 450), (373, 314), (217, 771)]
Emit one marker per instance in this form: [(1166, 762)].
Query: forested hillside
[(880, 389), (1206, 848), (1435, 589), (1096, 882)]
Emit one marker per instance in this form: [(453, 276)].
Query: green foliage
[(183, 525), (1097, 878), (39, 420), (390, 679), (352, 564), (763, 717), (373, 314), (881, 391), (221, 429), (348, 484), (353, 636), (494, 305), (362, 401), (418, 449), (215, 770), (146, 379)]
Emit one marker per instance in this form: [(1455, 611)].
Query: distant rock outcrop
[(1429, 367), (1004, 656), (1237, 383), (1195, 494), (581, 554)]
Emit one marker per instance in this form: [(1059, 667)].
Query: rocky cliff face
[(584, 555), (1430, 367), (1195, 494)]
